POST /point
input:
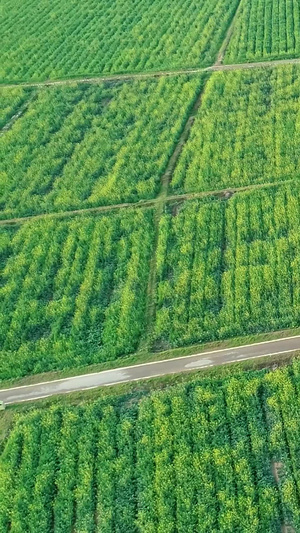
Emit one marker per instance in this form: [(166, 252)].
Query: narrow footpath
[(157, 74)]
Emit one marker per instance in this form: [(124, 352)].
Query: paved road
[(149, 370)]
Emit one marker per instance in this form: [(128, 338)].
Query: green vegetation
[(201, 456), (224, 268), (264, 30), (227, 268), (72, 292), (41, 40), (246, 131), (11, 101), (180, 455), (89, 145)]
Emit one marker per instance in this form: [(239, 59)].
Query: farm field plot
[(247, 131), (227, 268), (72, 292), (42, 40), (195, 457), (91, 145), (265, 29)]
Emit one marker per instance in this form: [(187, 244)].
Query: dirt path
[(156, 74), (160, 206), (259, 64), (220, 193), (78, 212), (228, 35), (226, 193), (106, 78), (166, 179), (277, 467)]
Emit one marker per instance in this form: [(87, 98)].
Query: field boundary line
[(219, 193), (155, 74), (78, 212), (230, 191), (250, 65), (106, 78), (228, 35)]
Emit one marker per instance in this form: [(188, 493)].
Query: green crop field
[(229, 268), (90, 145), (149, 209), (72, 292), (264, 30), (246, 131), (41, 39), (202, 457)]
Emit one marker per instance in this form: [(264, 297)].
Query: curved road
[(150, 370)]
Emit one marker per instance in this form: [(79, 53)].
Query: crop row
[(64, 39), (229, 268), (265, 29), (196, 457), (82, 146), (246, 131)]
